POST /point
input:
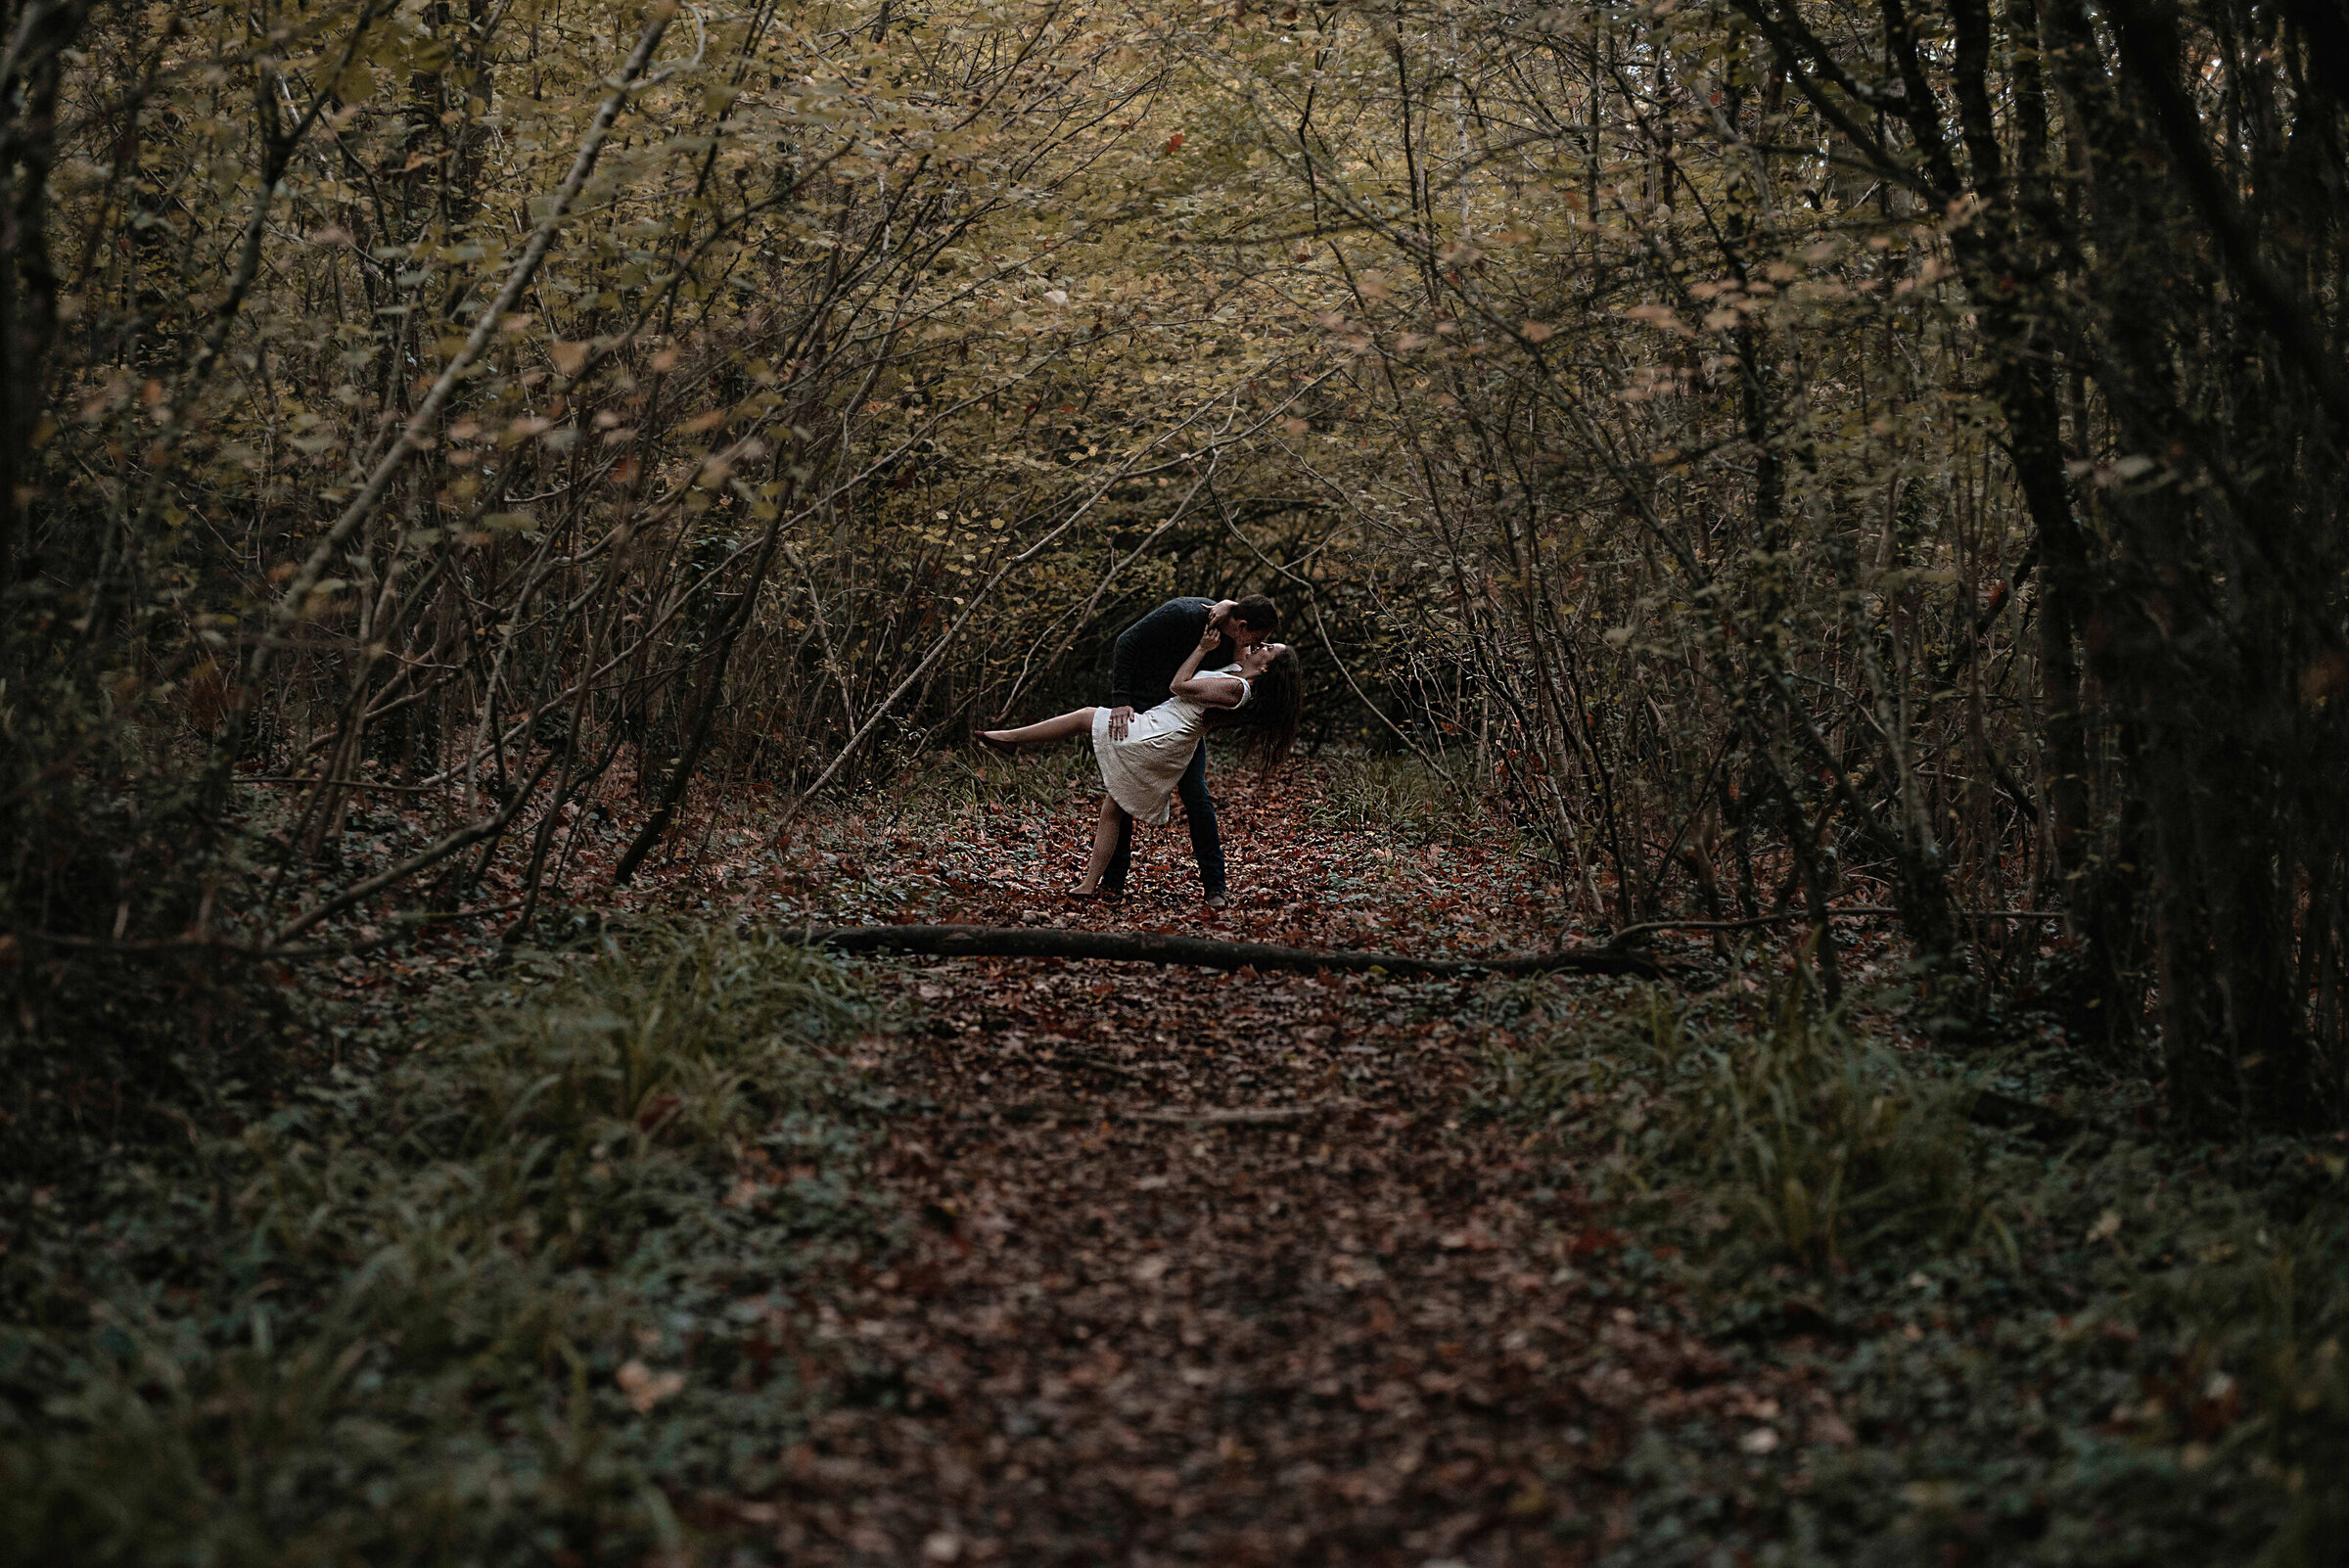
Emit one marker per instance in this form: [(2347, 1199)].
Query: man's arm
[(1160, 639)]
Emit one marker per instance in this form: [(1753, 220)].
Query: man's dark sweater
[(1148, 653)]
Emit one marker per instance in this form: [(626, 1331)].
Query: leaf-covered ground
[(1282, 1270), (1211, 1268), (671, 1242)]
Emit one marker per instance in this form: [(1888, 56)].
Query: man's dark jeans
[(1206, 843)]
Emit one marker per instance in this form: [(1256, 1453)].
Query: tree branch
[(1155, 948)]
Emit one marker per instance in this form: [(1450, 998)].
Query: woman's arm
[(1190, 666), (1217, 691)]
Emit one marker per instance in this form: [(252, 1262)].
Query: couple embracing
[(1189, 667)]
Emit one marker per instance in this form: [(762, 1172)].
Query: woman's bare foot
[(988, 741)]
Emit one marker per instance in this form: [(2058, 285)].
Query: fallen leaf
[(646, 1388)]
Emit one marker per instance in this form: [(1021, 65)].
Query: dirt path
[(1214, 1269)]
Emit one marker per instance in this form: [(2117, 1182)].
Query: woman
[(1263, 694)]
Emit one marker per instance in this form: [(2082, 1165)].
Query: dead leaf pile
[(1209, 1267)]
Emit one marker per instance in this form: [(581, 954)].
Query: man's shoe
[(1217, 900)]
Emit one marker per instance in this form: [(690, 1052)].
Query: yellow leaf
[(1662, 318), (646, 1388)]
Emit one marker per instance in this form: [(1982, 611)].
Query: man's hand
[(1119, 718)]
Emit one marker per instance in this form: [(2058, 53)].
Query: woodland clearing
[(1792, 1006)]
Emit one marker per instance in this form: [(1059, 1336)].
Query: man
[(1141, 668)]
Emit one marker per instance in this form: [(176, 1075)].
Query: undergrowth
[(2084, 1349), (1387, 792), (956, 781), (497, 1297)]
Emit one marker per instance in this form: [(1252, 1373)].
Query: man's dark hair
[(1259, 614)]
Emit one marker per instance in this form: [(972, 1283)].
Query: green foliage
[(479, 1301), (1818, 1143), (960, 781), (2104, 1351), (2269, 1310), (1390, 793)]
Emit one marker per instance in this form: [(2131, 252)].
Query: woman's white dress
[(1141, 770)]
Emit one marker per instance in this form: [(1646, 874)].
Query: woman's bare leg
[(1058, 727), (1105, 843)]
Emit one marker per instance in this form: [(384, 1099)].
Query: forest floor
[(1211, 1268), (1269, 1268), (669, 1242)]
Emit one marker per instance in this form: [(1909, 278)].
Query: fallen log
[(1194, 1118), (1156, 948)]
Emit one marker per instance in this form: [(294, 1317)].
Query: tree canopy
[(1790, 452)]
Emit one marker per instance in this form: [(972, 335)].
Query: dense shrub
[(2048, 1341), (492, 1299)]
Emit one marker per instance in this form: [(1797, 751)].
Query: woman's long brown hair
[(1276, 708)]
